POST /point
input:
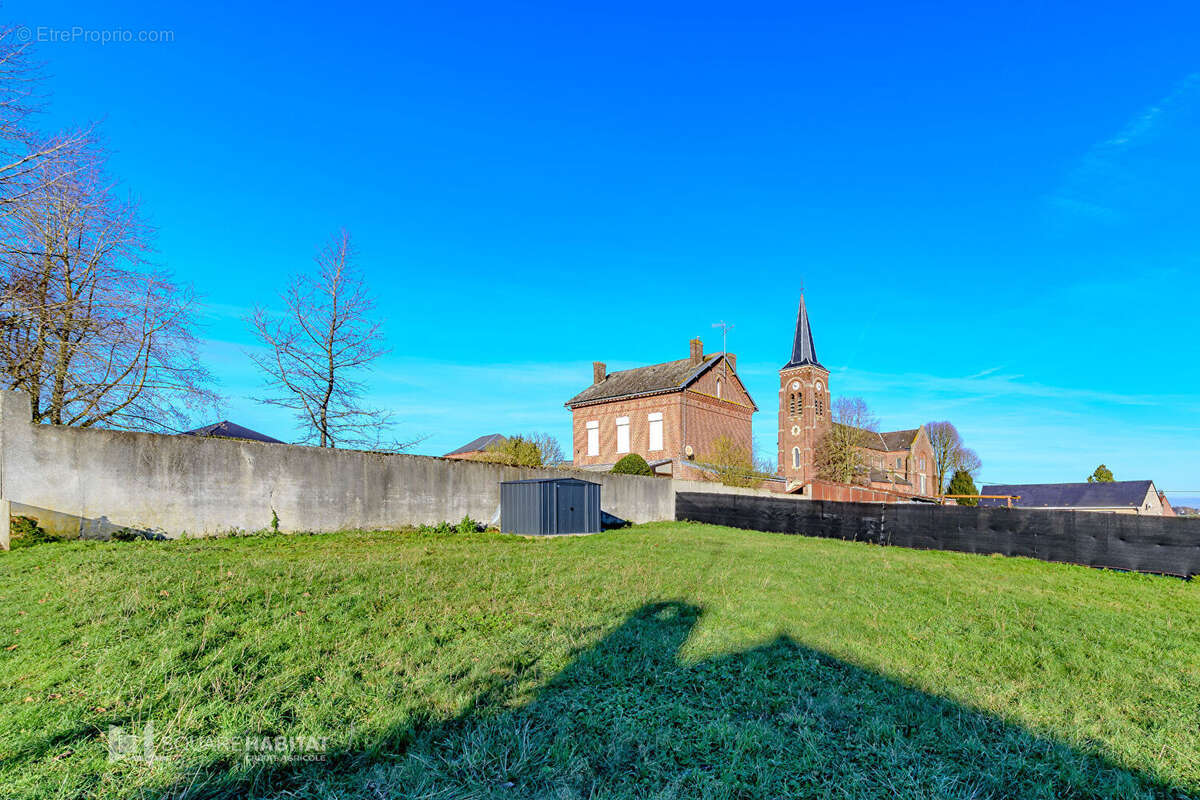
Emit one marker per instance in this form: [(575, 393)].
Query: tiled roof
[(671, 376), (477, 445), (1116, 494), (231, 430)]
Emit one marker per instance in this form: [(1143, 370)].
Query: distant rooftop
[(231, 430), (1115, 494), (478, 445)]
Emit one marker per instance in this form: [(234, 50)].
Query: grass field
[(663, 661)]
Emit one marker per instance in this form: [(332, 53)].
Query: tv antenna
[(725, 327)]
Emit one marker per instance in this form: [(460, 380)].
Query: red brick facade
[(848, 493)]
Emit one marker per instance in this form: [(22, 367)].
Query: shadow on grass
[(628, 719)]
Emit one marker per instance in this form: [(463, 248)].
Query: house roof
[(804, 351), (1116, 494), (231, 430), (671, 376), (477, 445)]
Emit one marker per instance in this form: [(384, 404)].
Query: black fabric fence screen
[(1161, 545)]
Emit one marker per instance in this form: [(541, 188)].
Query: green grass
[(670, 660)]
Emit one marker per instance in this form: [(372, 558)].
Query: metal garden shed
[(545, 506)]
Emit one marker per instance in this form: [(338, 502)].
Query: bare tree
[(88, 327), (317, 351), (549, 449), (949, 453), (840, 455), (23, 152)]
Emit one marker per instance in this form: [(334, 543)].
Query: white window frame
[(593, 437), (655, 421), (622, 434)]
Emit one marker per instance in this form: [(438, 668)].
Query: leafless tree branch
[(316, 350), (89, 328)]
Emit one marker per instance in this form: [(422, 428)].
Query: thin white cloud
[(1114, 176)]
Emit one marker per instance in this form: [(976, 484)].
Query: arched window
[(796, 458), (718, 388), (820, 406)]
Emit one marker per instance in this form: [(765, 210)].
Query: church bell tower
[(804, 414)]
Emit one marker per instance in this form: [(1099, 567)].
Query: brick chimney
[(598, 371), (732, 359), (697, 350)]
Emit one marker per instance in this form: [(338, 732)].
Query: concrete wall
[(94, 482)]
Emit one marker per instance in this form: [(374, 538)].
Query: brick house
[(668, 413), (898, 461)]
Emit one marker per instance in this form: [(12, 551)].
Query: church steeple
[(803, 350)]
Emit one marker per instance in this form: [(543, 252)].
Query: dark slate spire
[(803, 349)]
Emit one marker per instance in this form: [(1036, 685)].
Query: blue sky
[(994, 210)]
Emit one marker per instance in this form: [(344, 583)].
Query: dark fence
[(1162, 545)]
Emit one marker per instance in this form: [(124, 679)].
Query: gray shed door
[(571, 501)]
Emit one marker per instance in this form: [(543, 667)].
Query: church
[(674, 413), (896, 461)]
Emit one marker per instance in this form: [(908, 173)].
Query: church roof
[(888, 441), (803, 350), (899, 440)]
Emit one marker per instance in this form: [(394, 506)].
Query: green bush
[(632, 464), (963, 483), (25, 532), (466, 525)]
